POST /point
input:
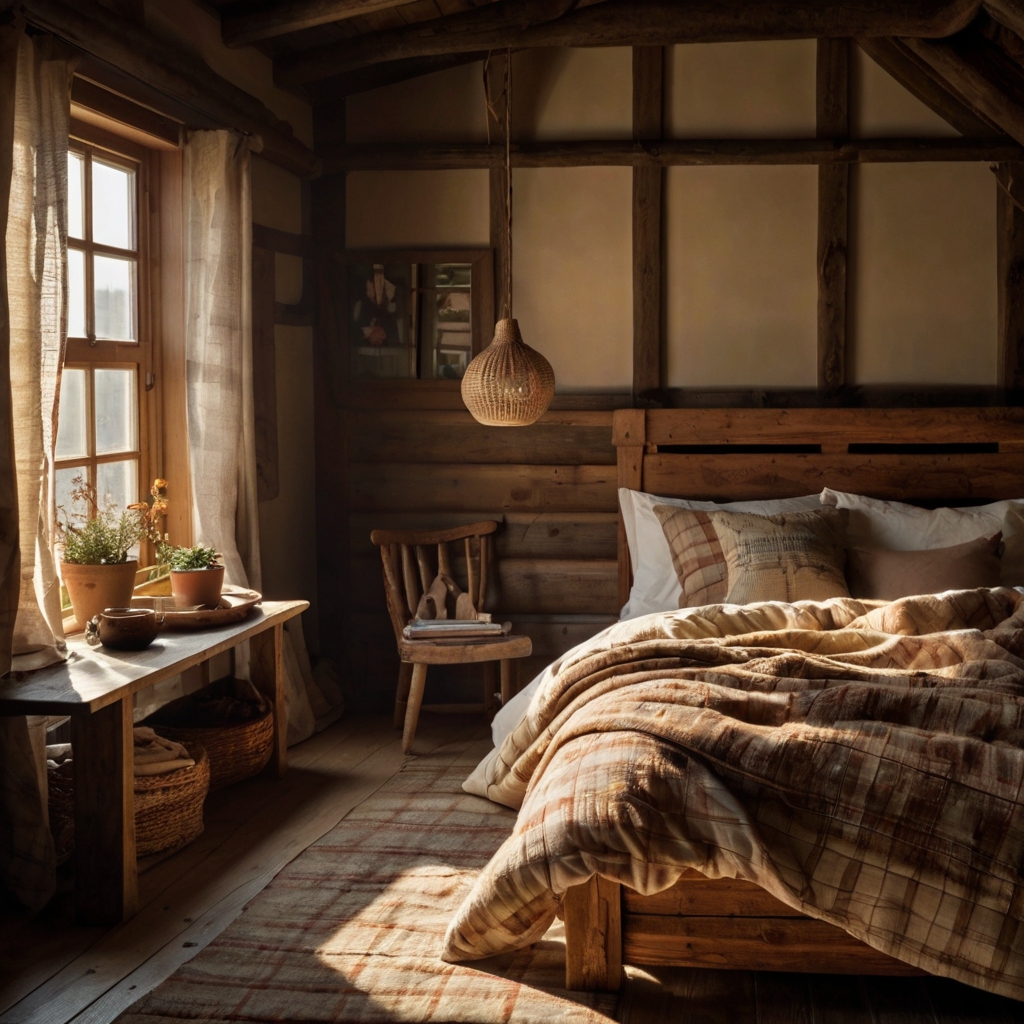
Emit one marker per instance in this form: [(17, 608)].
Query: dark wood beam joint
[(340, 158), (526, 23), (1010, 270), (833, 122)]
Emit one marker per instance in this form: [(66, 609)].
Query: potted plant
[(197, 576), (95, 543)]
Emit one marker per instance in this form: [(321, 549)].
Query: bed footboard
[(703, 922)]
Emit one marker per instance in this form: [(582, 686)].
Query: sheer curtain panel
[(34, 116)]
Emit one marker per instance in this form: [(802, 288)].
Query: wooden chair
[(411, 570)]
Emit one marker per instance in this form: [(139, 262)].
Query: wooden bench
[(95, 687)]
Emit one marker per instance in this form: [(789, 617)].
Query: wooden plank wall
[(551, 485)]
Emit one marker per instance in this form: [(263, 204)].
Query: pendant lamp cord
[(508, 182)]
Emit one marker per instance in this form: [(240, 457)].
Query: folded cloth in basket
[(155, 755)]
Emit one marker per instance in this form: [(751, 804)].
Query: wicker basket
[(237, 749), (168, 807)]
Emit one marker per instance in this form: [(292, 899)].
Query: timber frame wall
[(407, 454)]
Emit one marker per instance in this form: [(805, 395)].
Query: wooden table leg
[(266, 667), (491, 687), (106, 884), (509, 679)]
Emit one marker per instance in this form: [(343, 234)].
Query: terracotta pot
[(95, 587), (197, 586)]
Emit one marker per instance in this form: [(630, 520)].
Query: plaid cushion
[(696, 555)]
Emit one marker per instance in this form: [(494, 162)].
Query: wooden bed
[(934, 457)]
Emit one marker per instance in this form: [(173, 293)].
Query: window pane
[(114, 397), (76, 196), (67, 510), (72, 438), (113, 205), (76, 293), (116, 484), (114, 291)]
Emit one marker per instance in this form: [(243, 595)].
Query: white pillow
[(900, 527), (655, 584)]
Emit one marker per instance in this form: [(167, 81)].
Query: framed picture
[(411, 315)]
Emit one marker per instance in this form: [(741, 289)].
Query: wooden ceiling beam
[(526, 23), (921, 80), (1009, 14), (182, 76), (243, 23), (667, 153), (984, 75)]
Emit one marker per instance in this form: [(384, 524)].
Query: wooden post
[(106, 887), (495, 84), (629, 430), (264, 373), (648, 126), (1010, 270), (266, 666), (593, 936), (833, 122)]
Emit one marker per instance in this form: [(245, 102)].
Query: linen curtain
[(35, 90), (221, 417), (218, 347)]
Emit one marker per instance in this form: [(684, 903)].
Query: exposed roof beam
[(922, 81), (243, 23), (176, 73), (1009, 14), (980, 72), (667, 153), (524, 23)]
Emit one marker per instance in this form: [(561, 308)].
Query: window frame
[(142, 354)]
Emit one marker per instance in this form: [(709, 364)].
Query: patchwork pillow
[(899, 527), (796, 556), (696, 555), (655, 584), (881, 573)]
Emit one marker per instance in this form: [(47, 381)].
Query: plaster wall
[(739, 242)]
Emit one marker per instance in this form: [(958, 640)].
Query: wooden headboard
[(944, 455)]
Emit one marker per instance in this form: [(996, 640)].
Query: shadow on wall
[(535, 74)]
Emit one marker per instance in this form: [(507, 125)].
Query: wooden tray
[(236, 605)]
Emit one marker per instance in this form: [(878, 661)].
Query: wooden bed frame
[(928, 456)]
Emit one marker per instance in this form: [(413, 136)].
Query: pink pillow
[(880, 573)]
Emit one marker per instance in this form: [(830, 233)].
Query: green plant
[(94, 535), (181, 559)]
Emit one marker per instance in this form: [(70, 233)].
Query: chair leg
[(412, 711), (402, 696), (491, 685), (509, 679)]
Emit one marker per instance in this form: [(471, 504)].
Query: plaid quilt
[(863, 762)]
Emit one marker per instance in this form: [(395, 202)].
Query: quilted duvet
[(863, 762)]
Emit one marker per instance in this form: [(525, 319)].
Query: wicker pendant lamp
[(509, 384)]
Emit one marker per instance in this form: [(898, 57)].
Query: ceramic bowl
[(125, 629)]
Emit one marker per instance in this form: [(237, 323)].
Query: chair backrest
[(413, 559)]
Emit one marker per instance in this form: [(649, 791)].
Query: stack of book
[(454, 629)]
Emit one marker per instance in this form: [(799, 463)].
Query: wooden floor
[(54, 972)]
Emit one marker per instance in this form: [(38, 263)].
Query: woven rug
[(350, 930)]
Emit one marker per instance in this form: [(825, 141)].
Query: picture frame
[(408, 317)]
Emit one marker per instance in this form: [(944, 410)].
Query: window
[(101, 431)]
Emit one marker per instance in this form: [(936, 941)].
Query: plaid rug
[(351, 930)]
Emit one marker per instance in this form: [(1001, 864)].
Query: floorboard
[(57, 972)]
